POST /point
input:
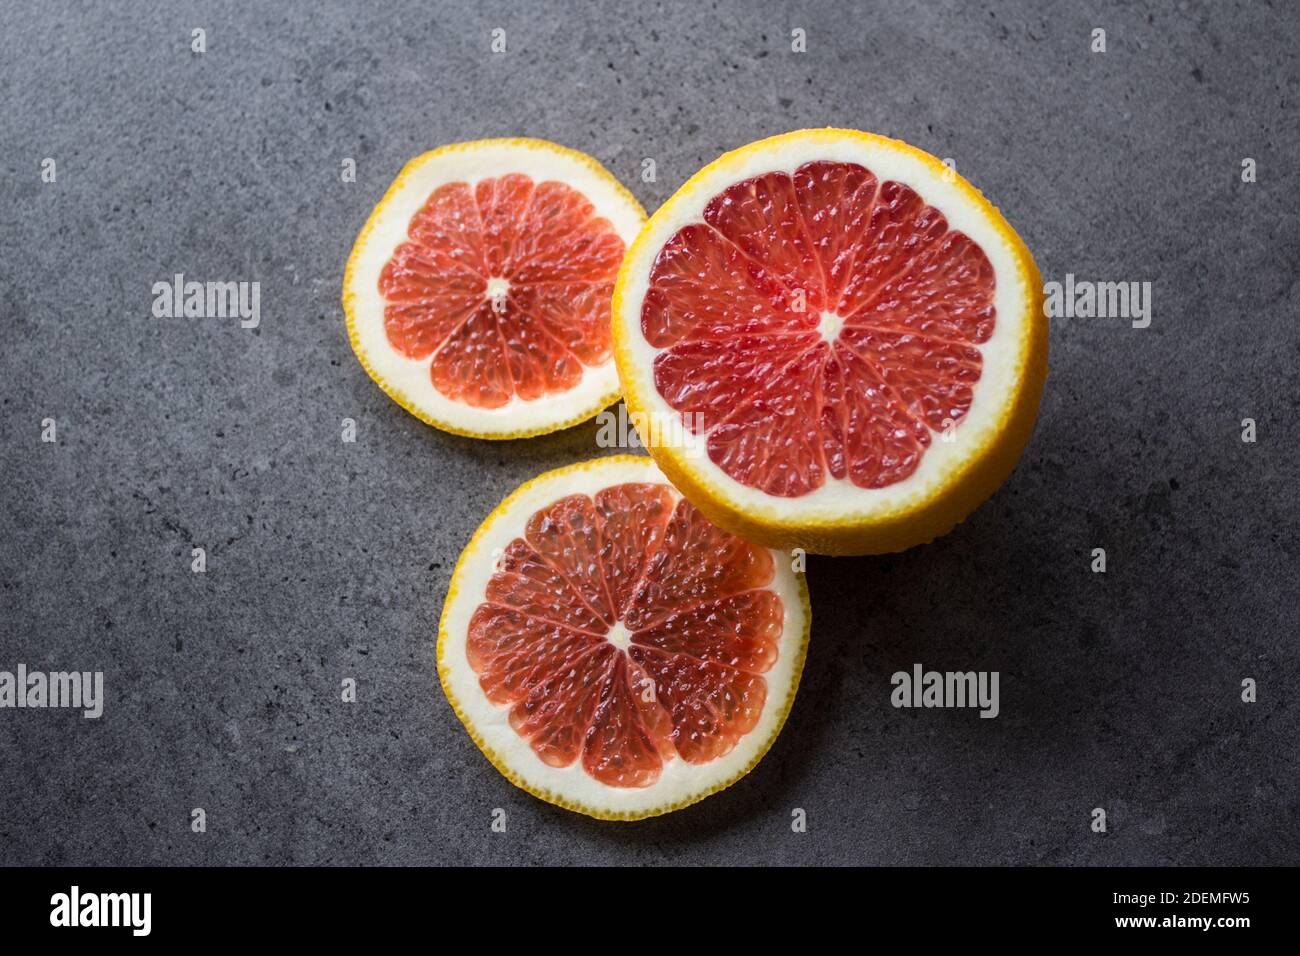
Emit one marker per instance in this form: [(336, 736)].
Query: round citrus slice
[(613, 652), (477, 294), (837, 342)]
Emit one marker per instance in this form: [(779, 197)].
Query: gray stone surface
[(328, 560)]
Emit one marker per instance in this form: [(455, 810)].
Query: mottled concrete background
[(327, 560)]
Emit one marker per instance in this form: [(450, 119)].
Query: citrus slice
[(613, 652), (477, 294), (838, 343)]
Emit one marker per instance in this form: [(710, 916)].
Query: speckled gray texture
[(328, 560)]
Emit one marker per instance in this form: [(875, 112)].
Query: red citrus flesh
[(701, 627), (528, 334), (819, 324)]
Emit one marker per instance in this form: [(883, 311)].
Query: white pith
[(619, 636), (829, 326), (839, 500), (679, 782), (408, 379)]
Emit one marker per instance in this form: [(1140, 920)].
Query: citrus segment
[(620, 655), (697, 563), (704, 289), (853, 330), (529, 584), (740, 631), (634, 518), (711, 706), (478, 293)]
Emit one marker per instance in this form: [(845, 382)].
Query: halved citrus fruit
[(848, 337), (477, 294), (613, 652)]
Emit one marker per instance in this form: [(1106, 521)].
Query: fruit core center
[(619, 636), (496, 288), (829, 326)]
